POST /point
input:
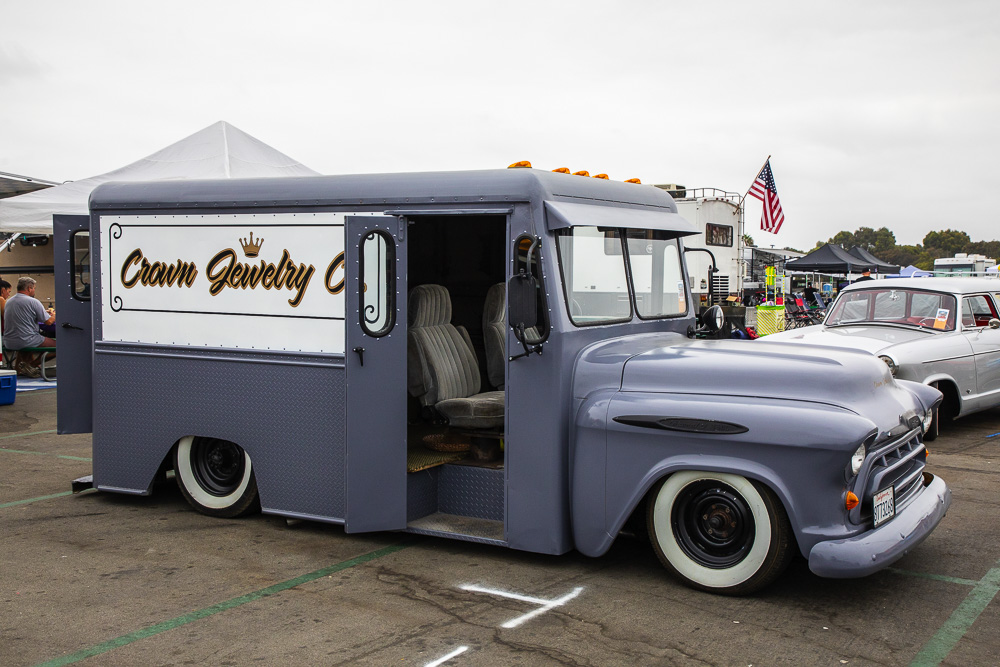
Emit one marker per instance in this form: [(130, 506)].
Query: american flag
[(764, 189)]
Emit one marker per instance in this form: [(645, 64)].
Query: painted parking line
[(4, 450), (544, 606), (21, 435), (35, 500), (177, 622), (934, 577), (445, 658), (958, 624)]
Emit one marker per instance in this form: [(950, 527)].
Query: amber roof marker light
[(582, 172), (634, 180), (523, 164), (561, 170), (603, 176)]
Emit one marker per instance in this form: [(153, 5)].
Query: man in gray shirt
[(22, 314)]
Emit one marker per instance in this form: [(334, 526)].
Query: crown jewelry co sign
[(189, 272)]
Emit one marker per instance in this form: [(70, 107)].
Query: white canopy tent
[(218, 151)]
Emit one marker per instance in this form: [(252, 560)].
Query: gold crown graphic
[(251, 249)]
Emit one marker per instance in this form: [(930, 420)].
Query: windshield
[(606, 280), (907, 307)]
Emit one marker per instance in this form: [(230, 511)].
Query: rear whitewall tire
[(766, 538), (223, 497)]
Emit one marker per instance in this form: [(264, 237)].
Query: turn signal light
[(634, 180), (561, 170), (604, 176), (581, 173), (523, 164), (851, 501)]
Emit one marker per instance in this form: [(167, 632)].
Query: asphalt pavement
[(104, 579)]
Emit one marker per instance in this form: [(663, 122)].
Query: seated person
[(4, 295), (22, 314)]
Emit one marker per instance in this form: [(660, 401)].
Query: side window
[(522, 250), (378, 283), (593, 272), (721, 235), (977, 311), (79, 245)]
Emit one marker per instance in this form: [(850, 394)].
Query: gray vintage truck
[(309, 346)]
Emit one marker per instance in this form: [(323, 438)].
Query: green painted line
[(35, 500), (945, 639), (934, 577), (21, 435), (58, 456), (152, 630)]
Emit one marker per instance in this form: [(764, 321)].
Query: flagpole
[(740, 205)]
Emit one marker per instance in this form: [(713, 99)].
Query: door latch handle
[(361, 354), (67, 325)]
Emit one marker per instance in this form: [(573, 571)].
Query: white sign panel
[(248, 281)]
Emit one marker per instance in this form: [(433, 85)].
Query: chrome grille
[(899, 464)]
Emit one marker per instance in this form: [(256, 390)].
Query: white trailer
[(719, 219), (964, 264)]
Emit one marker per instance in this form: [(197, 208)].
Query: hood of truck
[(850, 379), (871, 338)]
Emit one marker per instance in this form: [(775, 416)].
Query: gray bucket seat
[(441, 365)]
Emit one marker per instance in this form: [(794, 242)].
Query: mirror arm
[(527, 350)]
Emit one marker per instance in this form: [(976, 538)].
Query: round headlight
[(890, 363), (928, 417), (857, 460)]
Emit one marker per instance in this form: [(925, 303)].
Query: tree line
[(882, 243)]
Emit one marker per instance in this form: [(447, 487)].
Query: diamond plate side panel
[(473, 492), (421, 493), (288, 414)]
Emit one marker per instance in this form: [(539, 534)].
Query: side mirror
[(710, 323), (994, 323), (522, 302), (522, 311), (713, 320)]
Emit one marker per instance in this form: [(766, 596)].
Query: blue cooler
[(8, 386)]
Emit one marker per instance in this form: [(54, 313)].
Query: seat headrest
[(430, 305), (493, 309)]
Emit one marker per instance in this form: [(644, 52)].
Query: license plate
[(884, 506)]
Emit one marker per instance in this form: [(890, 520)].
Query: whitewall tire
[(719, 532), (216, 476)]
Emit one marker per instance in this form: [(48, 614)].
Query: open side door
[(376, 373), (75, 337)]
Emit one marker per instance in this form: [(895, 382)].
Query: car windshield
[(907, 307)]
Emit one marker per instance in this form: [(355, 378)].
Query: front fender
[(798, 449)]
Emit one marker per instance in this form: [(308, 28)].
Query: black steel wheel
[(719, 532), (216, 476)]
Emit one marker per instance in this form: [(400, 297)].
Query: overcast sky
[(875, 113)]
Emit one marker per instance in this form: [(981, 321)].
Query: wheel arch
[(952, 403), (751, 470)]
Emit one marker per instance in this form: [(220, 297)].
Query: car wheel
[(941, 413), (719, 532), (216, 477)]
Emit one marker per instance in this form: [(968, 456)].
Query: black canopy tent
[(880, 266), (829, 258)]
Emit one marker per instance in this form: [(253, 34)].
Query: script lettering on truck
[(247, 273)]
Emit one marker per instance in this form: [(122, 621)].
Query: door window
[(378, 283), (80, 252)]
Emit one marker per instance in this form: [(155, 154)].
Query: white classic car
[(944, 332)]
